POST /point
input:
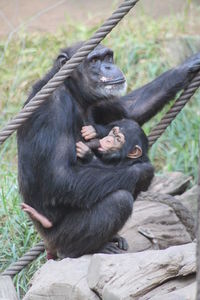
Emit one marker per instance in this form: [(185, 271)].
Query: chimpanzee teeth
[(104, 79)]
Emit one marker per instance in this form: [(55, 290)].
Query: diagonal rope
[(175, 109), (25, 260), (66, 70)]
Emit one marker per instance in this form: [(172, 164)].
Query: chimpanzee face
[(97, 76), (113, 141), (102, 74)]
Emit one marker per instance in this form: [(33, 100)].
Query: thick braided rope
[(174, 110), (31, 255), (66, 70)]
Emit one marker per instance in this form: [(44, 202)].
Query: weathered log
[(173, 183), (189, 200), (131, 276), (158, 221), (184, 215), (7, 289), (173, 285), (186, 293)]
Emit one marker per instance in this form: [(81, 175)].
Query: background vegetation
[(139, 52)]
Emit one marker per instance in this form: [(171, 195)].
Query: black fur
[(87, 204)]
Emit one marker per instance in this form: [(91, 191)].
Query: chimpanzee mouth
[(101, 149), (106, 81), (114, 82), (113, 88)]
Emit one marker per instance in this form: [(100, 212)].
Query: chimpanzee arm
[(46, 152), (143, 103), (103, 113), (145, 175), (95, 182)]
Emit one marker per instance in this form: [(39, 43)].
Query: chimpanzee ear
[(135, 153), (62, 57)]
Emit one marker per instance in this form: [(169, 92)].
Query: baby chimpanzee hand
[(82, 149), (88, 132)]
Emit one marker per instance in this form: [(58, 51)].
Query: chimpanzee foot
[(51, 255), (120, 242), (110, 248)]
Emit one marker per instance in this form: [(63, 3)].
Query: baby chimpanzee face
[(113, 141)]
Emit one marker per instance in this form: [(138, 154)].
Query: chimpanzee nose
[(107, 67), (109, 139)]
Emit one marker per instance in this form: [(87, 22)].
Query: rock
[(189, 200), (174, 183), (130, 276), (7, 289), (62, 280)]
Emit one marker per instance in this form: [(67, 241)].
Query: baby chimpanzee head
[(126, 140)]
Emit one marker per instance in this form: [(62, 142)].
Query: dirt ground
[(47, 15)]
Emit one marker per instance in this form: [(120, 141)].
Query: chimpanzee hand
[(82, 149), (192, 64), (88, 132)]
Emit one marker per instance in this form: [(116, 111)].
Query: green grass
[(139, 52)]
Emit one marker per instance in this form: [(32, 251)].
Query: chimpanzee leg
[(87, 231)]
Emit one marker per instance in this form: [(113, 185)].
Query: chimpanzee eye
[(94, 60), (108, 58)]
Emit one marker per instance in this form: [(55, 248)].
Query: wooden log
[(7, 289), (173, 183), (175, 285), (157, 224), (189, 199), (186, 293), (131, 276)]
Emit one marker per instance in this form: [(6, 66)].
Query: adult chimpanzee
[(84, 222)]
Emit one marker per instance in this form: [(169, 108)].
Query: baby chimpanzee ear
[(62, 57), (135, 153)]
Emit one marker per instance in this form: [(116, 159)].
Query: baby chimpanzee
[(124, 144), (110, 149)]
